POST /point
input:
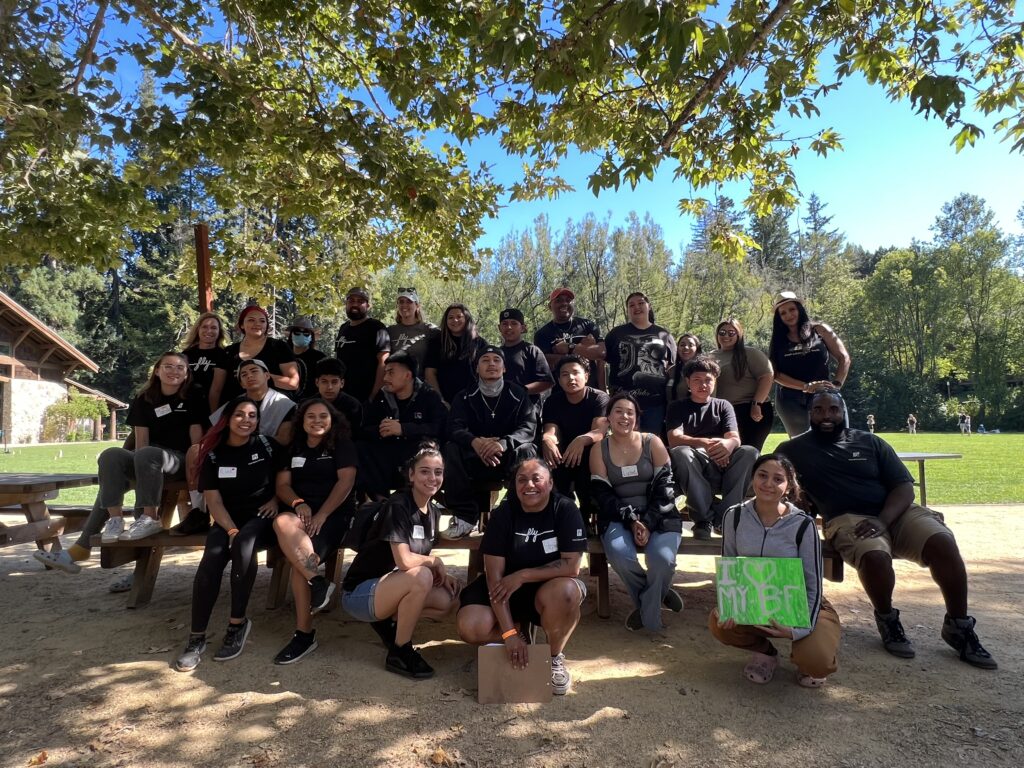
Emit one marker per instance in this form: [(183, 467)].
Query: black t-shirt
[(573, 420), (454, 374), (638, 360), (400, 522), (306, 363), (854, 474), (357, 346), (274, 353), (804, 360), (315, 473), (526, 364), (572, 332), (203, 362), (168, 420), (711, 419), (413, 340), (533, 539), (243, 474), (351, 409)]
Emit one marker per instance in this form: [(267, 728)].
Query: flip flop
[(807, 681), (761, 668)]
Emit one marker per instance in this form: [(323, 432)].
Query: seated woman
[(632, 482), (529, 577), (770, 525), (394, 580), (315, 481), (167, 419), (236, 477)]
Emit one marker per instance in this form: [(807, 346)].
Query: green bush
[(60, 419)]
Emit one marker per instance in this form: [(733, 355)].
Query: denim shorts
[(359, 602)]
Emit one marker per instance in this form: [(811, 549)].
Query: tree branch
[(715, 82), (90, 45)]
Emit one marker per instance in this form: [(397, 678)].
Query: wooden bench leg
[(833, 567), (599, 568), (333, 567), (37, 511), (279, 580), (147, 568)]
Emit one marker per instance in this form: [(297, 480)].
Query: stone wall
[(27, 401)]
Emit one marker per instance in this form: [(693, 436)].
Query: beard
[(355, 313), (830, 436)]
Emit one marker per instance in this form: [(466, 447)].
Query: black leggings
[(253, 534)]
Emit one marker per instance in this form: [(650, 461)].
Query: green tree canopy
[(351, 118)]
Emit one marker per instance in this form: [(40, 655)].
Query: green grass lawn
[(987, 474)]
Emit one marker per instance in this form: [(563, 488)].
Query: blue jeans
[(647, 588)]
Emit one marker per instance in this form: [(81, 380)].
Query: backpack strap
[(801, 530)]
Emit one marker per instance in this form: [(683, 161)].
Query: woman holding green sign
[(770, 526)]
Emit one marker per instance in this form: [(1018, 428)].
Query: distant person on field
[(871, 423), (911, 424), (865, 495)]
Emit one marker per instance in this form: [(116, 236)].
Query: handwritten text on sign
[(755, 590)]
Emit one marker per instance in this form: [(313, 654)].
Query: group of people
[(279, 442)]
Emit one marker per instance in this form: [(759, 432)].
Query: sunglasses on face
[(410, 289), (726, 333)]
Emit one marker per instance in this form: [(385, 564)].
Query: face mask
[(301, 339)]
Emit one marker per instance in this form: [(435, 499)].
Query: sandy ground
[(91, 684)]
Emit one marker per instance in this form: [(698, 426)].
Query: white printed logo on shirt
[(532, 535)]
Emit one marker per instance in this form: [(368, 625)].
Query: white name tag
[(227, 471), (550, 545), (298, 461), (162, 410), (418, 532), (630, 471)]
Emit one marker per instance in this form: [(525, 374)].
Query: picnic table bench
[(27, 494)]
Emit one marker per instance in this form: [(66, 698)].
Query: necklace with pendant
[(487, 403)]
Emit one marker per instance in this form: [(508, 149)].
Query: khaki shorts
[(904, 539)]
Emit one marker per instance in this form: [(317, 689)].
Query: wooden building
[(36, 370)]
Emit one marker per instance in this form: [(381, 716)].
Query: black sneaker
[(195, 521), (634, 621), (406, 660), (894, 638), (960, 636), (320, 594), (673, 601), (702, 531), (234, 641), (386, 630), (301, 644)]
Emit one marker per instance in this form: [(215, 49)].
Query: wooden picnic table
[(28, 493), (921, 458)]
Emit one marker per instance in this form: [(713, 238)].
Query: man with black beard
[(362, 345), (568, 334), (491, 428), (865, 495)]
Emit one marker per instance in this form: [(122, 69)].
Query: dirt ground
[(91, 684)]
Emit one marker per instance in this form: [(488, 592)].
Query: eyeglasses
[(410, 289), (726, 333), (166, 367)]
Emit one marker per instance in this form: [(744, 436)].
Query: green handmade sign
[(757, 590)]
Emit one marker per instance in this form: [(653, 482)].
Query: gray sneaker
[(234, 641), (894, 638), (112, 530), (458, 529), (192, 655), (561, 678)]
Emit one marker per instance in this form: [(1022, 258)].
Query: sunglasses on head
[(410, 289)]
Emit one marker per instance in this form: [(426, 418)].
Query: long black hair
[(340, 428), (457, 347), (780, 332)]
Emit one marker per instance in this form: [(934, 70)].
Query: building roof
[(116, 404), (32, 326)]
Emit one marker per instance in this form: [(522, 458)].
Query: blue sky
[(884, 189)]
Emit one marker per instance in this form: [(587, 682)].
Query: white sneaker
[(60, 560), (458, 529), (112, 530), (143, 527), (561, 679)]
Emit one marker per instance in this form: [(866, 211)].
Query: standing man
[(865, 495), (362, 345), (405, 412), (490, 428), (567, 334), (707, 457), (525, 364)]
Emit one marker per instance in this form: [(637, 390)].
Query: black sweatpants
[(463, 472)]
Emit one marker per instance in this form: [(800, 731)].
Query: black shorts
[(523, 603)]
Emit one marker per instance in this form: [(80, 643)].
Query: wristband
[(510, 633), (232, 532), (297, 502)]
